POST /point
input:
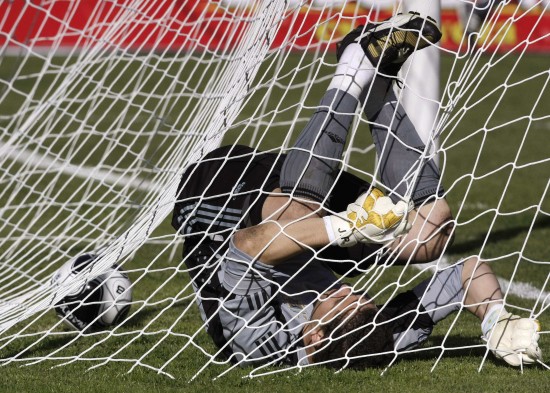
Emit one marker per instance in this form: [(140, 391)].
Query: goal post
[(105, 104), (422, 97)]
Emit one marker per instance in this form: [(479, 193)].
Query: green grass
[(483, 204)]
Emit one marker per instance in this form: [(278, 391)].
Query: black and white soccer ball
[(96, 302)]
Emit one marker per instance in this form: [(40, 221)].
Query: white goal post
[(104, 104)]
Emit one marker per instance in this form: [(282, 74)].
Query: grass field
[(495, 174)]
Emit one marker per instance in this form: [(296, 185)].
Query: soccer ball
[(100, 301)]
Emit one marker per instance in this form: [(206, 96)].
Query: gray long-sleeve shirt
[(267, 308)]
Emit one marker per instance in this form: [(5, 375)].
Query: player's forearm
[(274, 242), (481, 286)]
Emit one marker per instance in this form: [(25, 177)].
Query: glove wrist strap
[(339, 231), (491, 317)]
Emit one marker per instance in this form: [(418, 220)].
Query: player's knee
[(446, 225), (440, 225), (439, 214), (443, 239)]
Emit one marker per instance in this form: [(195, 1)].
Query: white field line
[(519, 289), (45, 162)]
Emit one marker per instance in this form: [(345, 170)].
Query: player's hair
[(357, 341)]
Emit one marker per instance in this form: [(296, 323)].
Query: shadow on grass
[(143, 316), (495, 237), (455, 348), (36, 349), (27, 347)]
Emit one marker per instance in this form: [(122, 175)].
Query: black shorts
[(225, 190)]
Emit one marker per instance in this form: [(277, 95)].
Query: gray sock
[(311, 166), (400, 150)]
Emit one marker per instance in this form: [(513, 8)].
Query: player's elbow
[(254, 241), (243, 240)]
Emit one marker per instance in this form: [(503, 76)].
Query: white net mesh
[(100, 116)]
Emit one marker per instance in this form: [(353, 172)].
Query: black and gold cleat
[(389, 43)]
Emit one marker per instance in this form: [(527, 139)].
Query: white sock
[(491, 317), (354, 71)]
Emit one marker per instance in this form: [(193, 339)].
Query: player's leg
[(310, 168), (311, 165), (400, 150), (399, 147)]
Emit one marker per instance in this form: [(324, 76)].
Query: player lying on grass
[(236, 187), (279, 310)]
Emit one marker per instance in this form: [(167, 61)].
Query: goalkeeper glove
[(372, 218), (515, 340)]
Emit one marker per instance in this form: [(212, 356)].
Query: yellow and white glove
[(515, 340), (372, 218)]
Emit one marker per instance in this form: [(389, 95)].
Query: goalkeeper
[(236, 187)]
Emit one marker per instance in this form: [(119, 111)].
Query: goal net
[(104, 104)]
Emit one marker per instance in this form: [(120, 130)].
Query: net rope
[(96, 135)]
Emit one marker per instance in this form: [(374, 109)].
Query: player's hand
[(372, 218), (377, 219), (515, 340)]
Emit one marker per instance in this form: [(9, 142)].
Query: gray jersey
[(267, 308)]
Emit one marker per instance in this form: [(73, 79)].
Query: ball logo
[(102, 302)]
